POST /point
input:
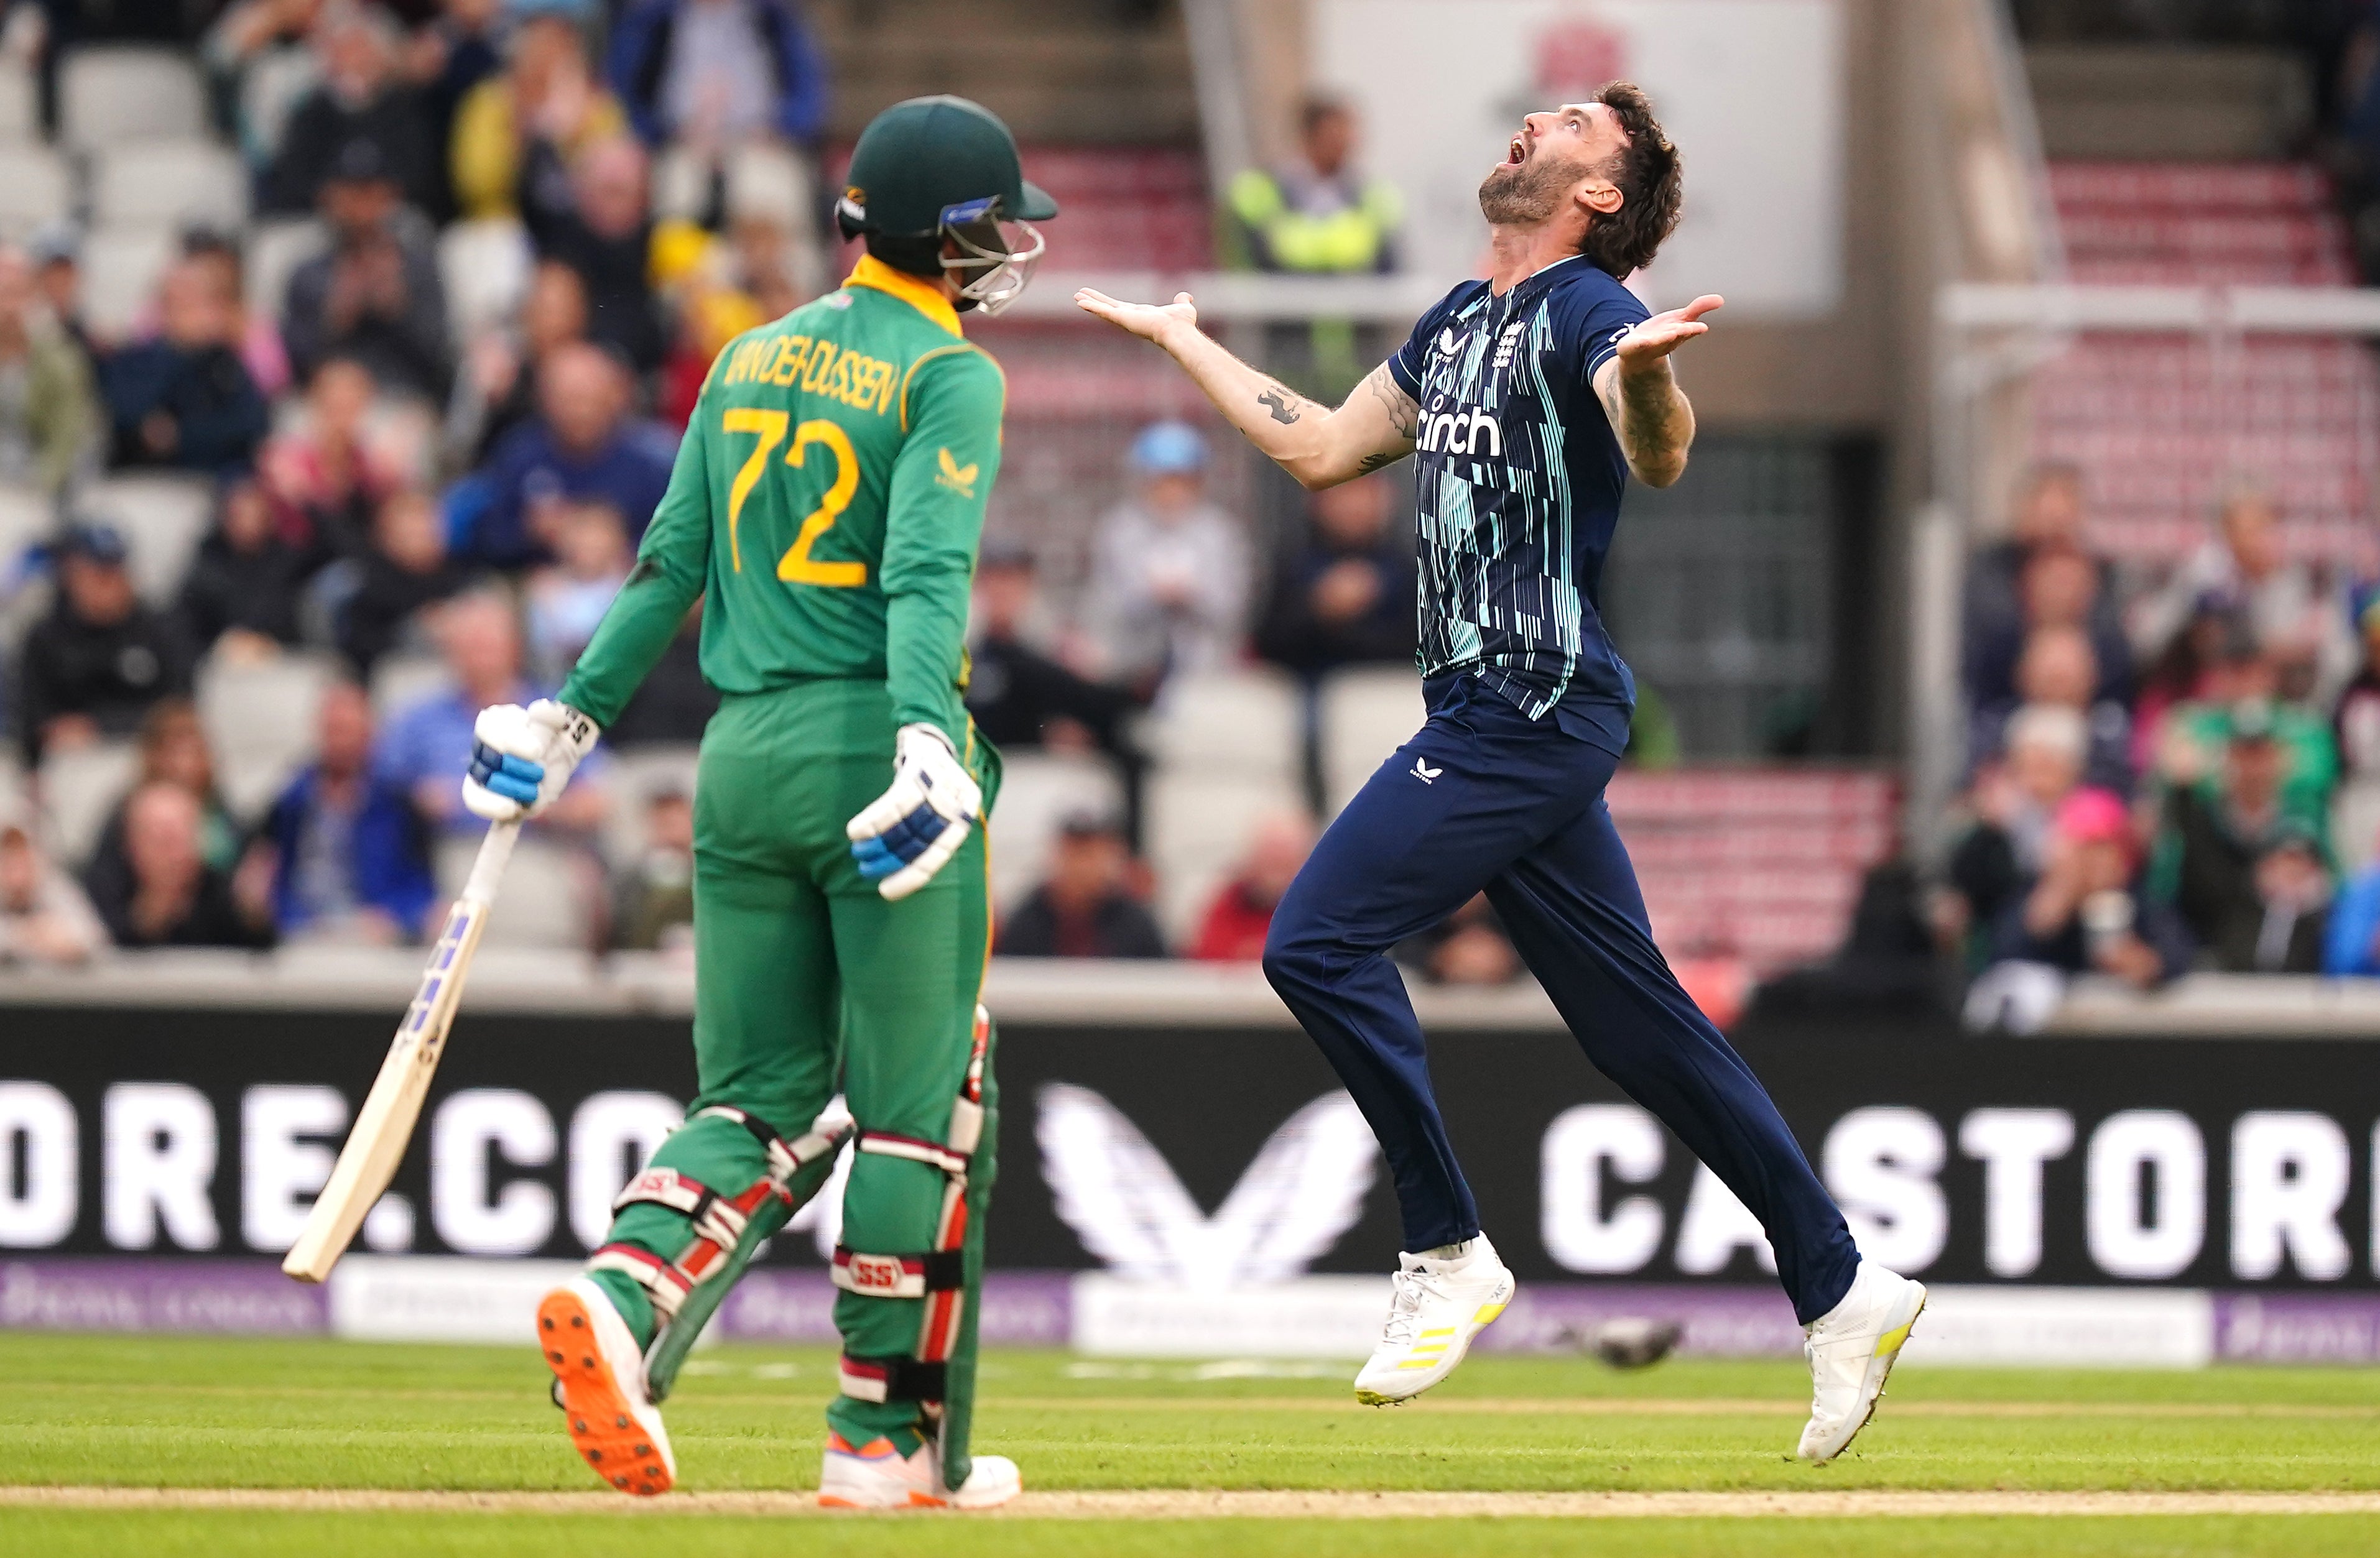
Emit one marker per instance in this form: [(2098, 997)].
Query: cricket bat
[(384, 1126)]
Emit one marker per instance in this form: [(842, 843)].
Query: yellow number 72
[(796, 567)]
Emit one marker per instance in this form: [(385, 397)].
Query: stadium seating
[(260, 720), (1038, 791), (163, 518), (80, 792), (20, 103), (1368, 712), (485, 266), (635, 777), (275, 248), (168, 183), (109, 95), (120, 267), (2159, 427), (35, 189), (549, 893)]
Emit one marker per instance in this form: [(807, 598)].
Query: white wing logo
[(1305, 1188)]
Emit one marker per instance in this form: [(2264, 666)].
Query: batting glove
[(522, 757), (911, 830)]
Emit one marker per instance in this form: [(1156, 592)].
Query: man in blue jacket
[(350, 857)]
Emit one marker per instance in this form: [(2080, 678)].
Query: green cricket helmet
[(935, 180)]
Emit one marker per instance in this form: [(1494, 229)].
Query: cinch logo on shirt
[(822, 368), (1461, 432)]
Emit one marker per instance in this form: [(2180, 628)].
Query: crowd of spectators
[(2181, 775)]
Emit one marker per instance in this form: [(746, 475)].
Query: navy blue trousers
[(1483, 799)]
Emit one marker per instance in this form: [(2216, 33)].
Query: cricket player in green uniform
[(827, 504)]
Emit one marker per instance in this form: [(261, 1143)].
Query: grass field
[(149, 1413)]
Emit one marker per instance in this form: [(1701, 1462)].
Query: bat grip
[(487, 869)]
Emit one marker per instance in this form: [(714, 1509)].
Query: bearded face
[(1531, 186)]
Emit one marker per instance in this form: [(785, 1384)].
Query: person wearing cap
[(1083, 908), (1168, 586), (2082, 914), (2215, 836), (376, 294), (95, 664), (826, 506)]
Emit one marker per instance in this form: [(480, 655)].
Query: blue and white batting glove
[(521, 758), (911, 830)]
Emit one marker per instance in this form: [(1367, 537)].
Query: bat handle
[(487, 869)]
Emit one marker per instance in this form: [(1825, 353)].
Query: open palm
[(1151, 322), (1663, 334)]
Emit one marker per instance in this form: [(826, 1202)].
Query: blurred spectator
[(1232, 929), (2355, 729), (2049, 517), (1344, 596), (240, 597), (169, 896), (2084, 913), (567, 597), (261, 56), (96, 663), (1019, 695), (49, 411), (2215, 839), (359, 99), (343, 847), (1084, 909), (594, 219), (1468, 947), (1317, 213), (546, 93), (673, 703), (56, 254), (2187, 670), (376, 295), (173, 751), (2057, 588), (496, 392), (1168, 586), (2060, 667), (323, 478), (406, 571), (184, 398), (425, 748), (653, 896), (45, 918), (2017, 800), (218, 258), (2241, 568), (2352, 938), (582, 445), (2194, 745), (707, 73), (444, 60)]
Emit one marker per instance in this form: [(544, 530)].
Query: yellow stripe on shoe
[(1890, 1341), (1485, 1312)]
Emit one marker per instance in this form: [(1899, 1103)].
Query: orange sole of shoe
[(602, 1426)]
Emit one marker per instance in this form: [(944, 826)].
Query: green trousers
[(806, 982)]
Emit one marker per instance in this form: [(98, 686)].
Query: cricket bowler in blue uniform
[(1526, 401)]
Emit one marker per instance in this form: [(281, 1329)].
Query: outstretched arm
[(1651, 416), (1319, 446)]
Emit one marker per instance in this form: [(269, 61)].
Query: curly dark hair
[(1651, 178)]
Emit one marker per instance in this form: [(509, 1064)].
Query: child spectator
[(406, 571), (324, 478), (1168, 586), (97, 662), (1083, 910), (377, 295), (653, 899), (45, 918), (346, 854), (567, 599), (1232, 929), (168, 895), (240, 597), (185, 399), (49, 412)]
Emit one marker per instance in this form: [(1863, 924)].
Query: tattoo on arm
[(1404, 412), (1284, 404), (1376, 459)]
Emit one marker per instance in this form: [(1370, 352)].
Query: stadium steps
[(2163, 426)]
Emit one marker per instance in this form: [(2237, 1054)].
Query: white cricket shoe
[(598, 1383), (1852, 1348), (877, 1476), (1436, 1305)]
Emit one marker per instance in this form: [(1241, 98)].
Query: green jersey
[(827, 504)]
